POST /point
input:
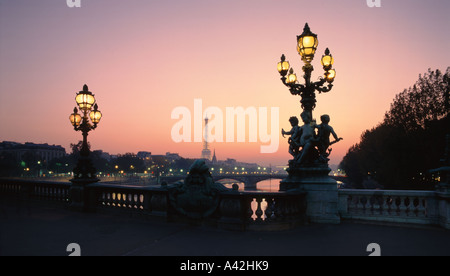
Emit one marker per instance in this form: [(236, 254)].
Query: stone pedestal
[(81, 198), (321, 193)]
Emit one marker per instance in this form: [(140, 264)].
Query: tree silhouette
[(410, 141)]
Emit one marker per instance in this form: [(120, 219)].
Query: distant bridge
[(250, 180)]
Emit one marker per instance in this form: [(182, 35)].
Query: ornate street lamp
[(311, 151), (307, 44), (85, 122), (309, 143)]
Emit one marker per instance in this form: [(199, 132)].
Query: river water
[(269, 185)]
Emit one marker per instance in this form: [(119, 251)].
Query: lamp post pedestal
[(321, 192), (81, 197)]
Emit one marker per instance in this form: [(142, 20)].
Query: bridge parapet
[(243, 210), (417, 207)]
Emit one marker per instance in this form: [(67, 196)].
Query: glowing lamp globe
[(292, 78), (85, 99), (307, 44), (75, 118), (95, 115), (327, 60), (330, 75), (283, 66)]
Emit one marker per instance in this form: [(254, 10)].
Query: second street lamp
[(85, 122)]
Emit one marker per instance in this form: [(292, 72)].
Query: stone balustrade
[(418, 207), (134, 200), (36, 190), (236, 210), (262, 210), (245, 210)]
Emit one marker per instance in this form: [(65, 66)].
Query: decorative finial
[(327, 52), (85, 88), (306, 29)]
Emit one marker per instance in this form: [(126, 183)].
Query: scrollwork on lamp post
[(307, 44)]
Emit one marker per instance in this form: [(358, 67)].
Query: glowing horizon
[(144, 58)]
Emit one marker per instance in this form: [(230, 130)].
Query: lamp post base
[(321, 192), (81, 197)]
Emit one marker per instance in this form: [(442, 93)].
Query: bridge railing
[(261, 210), (417, 207), (24, 189), (128, 199), (236, 210), (244, 210)]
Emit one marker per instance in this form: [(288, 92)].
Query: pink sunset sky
[(143, 58)]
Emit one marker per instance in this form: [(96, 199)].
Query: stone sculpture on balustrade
[(198, 196)]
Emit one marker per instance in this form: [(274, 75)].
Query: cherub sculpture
[(294, 140), (323, 137), (301, 137)]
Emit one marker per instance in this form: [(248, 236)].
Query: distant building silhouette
[(44, 152), (144, 155)]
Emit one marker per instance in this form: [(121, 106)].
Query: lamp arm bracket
[(296, 89), (324, 89)]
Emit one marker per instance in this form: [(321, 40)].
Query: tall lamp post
[(85, 121), (309, 143)]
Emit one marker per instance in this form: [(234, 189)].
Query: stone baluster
[(359, 204), (108, 199), (135, 202), (271, 212), (119, 199), (386, 205), (259, 213), (130, 201), (124, 200), (368, 206), (351, 205), (141, 201), (421, 208), (268, 209), (249, 207), (403, 209), (114, 201), (377, 203)]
